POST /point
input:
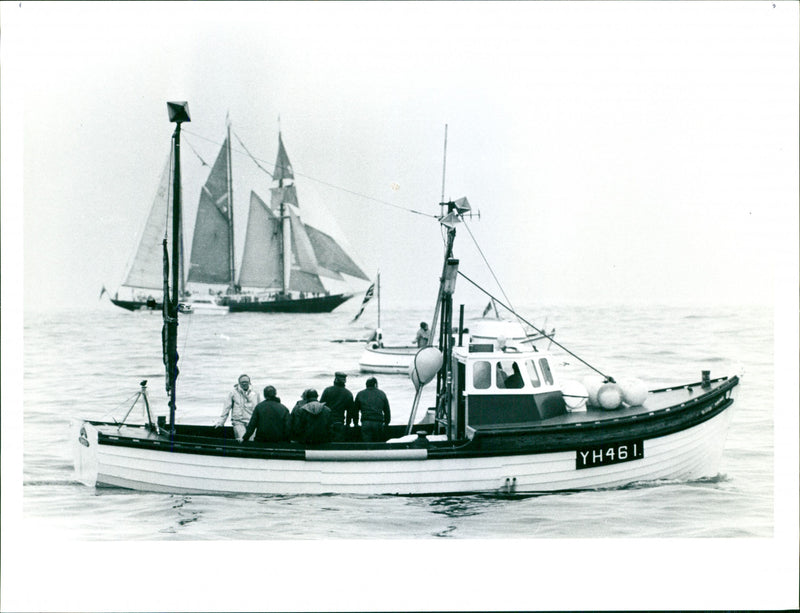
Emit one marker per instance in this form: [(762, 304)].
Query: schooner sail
[(143, 283), (212, 259), (284, 259)]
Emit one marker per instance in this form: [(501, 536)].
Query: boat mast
[(444, 305), (178, 113), (444, 161), (285, 243), (379, 299), (231, 250)]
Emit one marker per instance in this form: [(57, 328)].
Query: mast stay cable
[(257, 162), (542, 332)]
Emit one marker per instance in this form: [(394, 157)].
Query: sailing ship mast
[(283, 171), (231, 250), (285, 245)]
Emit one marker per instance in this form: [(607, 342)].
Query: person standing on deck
[(239, 404), (311, 420), (271, 421), (422, 335), (340, 401), (373, 407)]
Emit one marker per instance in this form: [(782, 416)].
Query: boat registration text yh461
[(609, 454)]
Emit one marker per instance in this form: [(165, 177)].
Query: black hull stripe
[(496, 442)]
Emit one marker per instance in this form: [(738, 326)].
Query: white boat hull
[(207, 308), (685, 455), (387, 360), (399, 359)]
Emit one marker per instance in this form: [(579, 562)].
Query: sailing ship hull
[(678, 434), (138, 305), (319, 304)]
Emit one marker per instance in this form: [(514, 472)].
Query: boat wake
[(45, 482)]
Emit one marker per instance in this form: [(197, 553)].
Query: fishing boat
[(502, 423)]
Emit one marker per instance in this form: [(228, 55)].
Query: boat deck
[(657, 400)]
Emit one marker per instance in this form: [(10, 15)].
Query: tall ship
[(284, 260)]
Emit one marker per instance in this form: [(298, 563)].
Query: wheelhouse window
[(533, 376), (545, 367), (481, 375), (509, 375)]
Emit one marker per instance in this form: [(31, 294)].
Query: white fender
[(427, 362)]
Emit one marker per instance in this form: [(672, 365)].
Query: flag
[(367, 297)]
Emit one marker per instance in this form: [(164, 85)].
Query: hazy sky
[(632, 152)]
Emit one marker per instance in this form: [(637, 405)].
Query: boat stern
[(83, 438)]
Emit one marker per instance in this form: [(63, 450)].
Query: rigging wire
[(489, 266), (252, 157), (169, 192), (496, 280), (257, 162), (542, 332), (129, 401), (202, 161)]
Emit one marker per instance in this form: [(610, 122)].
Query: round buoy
[(634, 392), (592, 384), (427, 362), (609, 396), (575, 395)]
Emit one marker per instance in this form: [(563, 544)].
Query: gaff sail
[(261, 261), (212, 243), (145, 269)]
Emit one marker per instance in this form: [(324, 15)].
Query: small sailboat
[(378, 357), (502, 422)]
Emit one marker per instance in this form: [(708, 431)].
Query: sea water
[(709, 543), (89, 364)]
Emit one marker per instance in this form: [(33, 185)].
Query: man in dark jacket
[(270, 420), (373, 407), (311, 420), (340, 401)]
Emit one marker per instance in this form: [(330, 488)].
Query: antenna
[(444, 161)]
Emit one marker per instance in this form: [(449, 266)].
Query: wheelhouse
[(501, 387)]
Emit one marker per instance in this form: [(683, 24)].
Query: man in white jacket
[(240, 404)]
